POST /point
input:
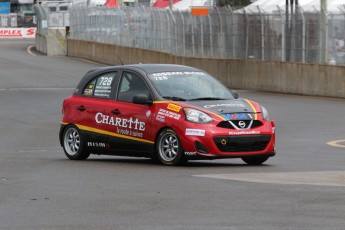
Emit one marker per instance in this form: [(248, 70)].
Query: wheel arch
[(74, 146), (179, 158), (163, 128), (63, 127)]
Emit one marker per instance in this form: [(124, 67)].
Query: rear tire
[(255, 160), (168, 148), (73, 144)]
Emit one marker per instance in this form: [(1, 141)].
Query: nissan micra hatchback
[(170, 113)]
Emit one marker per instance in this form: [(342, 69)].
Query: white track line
[(327, 178)]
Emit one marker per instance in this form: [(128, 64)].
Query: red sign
[(17, 32)]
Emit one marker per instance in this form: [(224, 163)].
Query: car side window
[(100, 86), (131, 85)]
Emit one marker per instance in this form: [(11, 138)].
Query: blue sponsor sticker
[(237, 116)]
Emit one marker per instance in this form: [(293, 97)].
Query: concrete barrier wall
[(53, 44), (279, 77), (41, 43)]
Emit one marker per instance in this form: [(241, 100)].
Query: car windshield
[(189, 86)]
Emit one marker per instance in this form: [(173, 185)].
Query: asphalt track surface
[(302, 187)]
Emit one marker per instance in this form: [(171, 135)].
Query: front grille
[(235, 124), (225, 124), (256, 123), (242, 144)]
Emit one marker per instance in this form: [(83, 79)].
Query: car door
[(91, 110), (131, 131)]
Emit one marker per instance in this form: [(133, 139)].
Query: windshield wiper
[(174, 98), (207, 99)]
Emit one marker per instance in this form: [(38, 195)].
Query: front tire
[(168, 148), (73, 144), (255, 160)]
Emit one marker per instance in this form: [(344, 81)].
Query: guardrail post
[(324, 32)]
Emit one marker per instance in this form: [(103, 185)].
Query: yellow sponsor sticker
[(175, 108)]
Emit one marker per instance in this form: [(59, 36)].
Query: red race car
[(170, 113)]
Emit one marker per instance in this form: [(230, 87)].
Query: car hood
[(225, 107)]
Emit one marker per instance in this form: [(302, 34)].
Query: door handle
[(81, 108), (115, 111)]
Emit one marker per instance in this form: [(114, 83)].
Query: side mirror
[(141, 99), (235, 94)]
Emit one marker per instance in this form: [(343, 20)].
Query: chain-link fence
[(17, 20), (222, 34)]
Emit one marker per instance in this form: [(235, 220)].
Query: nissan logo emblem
[(242, 124)]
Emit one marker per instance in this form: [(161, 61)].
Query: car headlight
[(264, 113), (197, 116)]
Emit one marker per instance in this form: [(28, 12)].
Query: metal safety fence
[(17, 20), (222, 34)]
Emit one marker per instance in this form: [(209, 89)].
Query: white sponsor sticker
[(170, 114), (244, 133), (190, 153), (195, 132)]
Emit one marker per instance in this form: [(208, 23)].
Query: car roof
[(154, 68), (146, 68), (149, 68)]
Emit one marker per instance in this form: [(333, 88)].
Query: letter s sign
[(30, 32)]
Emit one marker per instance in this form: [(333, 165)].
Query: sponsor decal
[(160, 118), (160, 78), (193, 73), (165, 75), (244, 133), (227, 105), (190, 153), (238, 116), (103, 87), (131, 127), (129, 132), (102, 93), (88, 92), (120, 122), (17, 32), (195, 132), (165, 113), (148, 113), (175, 108), (97, 144)]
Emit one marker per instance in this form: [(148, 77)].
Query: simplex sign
[(17, 32)]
